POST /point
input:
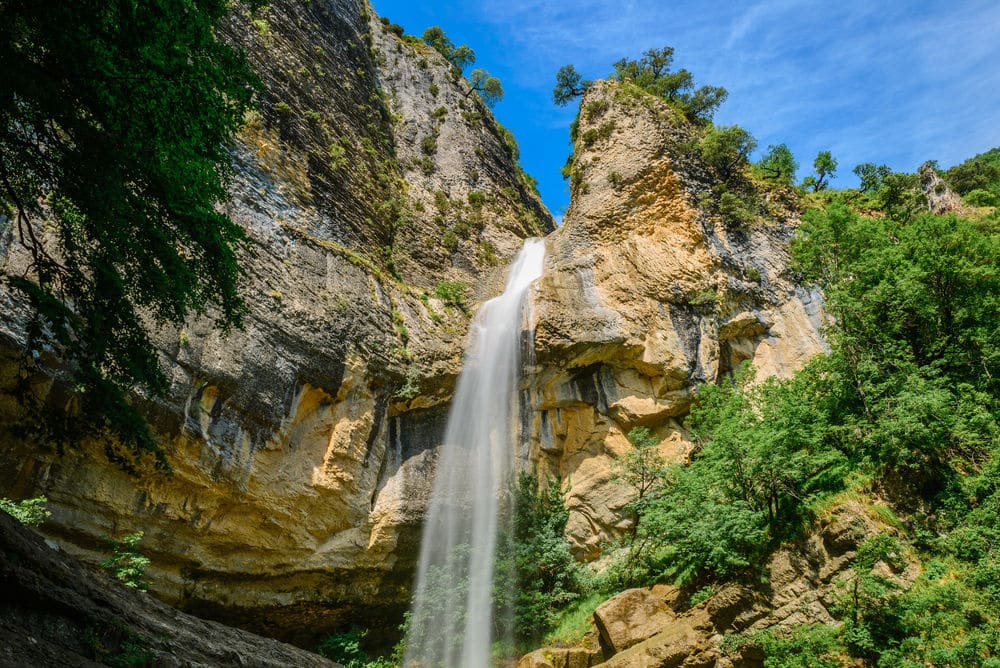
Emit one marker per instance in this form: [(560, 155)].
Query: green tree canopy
[(652, 73), (569, 84), (826, 167), (726, 148), (115, 120), (778, 164), (489, 87), (459, 56)]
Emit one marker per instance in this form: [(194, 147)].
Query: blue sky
[(895, 82)]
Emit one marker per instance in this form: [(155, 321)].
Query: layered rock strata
[(302, 445), (648, 292)]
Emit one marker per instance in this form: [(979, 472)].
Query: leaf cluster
[(115, 125), (460, 57), (29, 512), (126, 563)]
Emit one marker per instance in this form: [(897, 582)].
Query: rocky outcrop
[(302, 446), (653, 627), (56, 613), (940, 198), (647, 293)]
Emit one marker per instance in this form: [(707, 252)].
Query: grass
[(575, 622)]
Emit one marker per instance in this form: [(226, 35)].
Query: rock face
[(646, 294), (654, 629), (375, 188), (940, 198), (56, 613), (302, 446)]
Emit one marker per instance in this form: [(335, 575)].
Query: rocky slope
[(647, 293), (301, 446), (56, 613), (657, 627)]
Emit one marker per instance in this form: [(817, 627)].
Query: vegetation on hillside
[(907, 401)]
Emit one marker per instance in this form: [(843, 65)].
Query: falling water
[(450, 623)]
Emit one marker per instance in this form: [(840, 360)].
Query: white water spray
[(450, 624)]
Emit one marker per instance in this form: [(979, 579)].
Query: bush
[(29, 512), (980, 197), (452, 293), (125, 562)]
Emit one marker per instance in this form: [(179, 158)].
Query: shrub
[(125, 562), (452, 293), (538, 556), (284, 109), (428, 145), (477, 199), (29, 512), (734, 210)]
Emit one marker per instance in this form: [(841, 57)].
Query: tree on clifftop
[(459, 56), (488, 87), (115, 120), (652, 73), (826, 166), (569, 84)]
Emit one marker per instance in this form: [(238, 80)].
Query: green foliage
[(452, 293), (979, 173), (488, 87), (30, 512), (575, 621), (346, 649), (917, 333), (734, 210), (537, 554), (599, 133), (476, 199), (460, 57), (762, 458), (807, 646), (980, 197), (569, 84), (652, 73), (826, 167), (726, 149), (152, 96), (126, 563), (428, 145), (778, 164)]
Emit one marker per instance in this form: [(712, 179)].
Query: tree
[(459, 56), (778, 164), (726, 148), (652, 73), (115, 121), (826, 166), (871, 176), (569, 84), (488, 87)]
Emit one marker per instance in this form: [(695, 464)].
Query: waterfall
[(450, 624)]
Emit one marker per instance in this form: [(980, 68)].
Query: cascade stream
[(450, 622)]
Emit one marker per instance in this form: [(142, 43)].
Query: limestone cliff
[(301, 446), (647, 293)]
